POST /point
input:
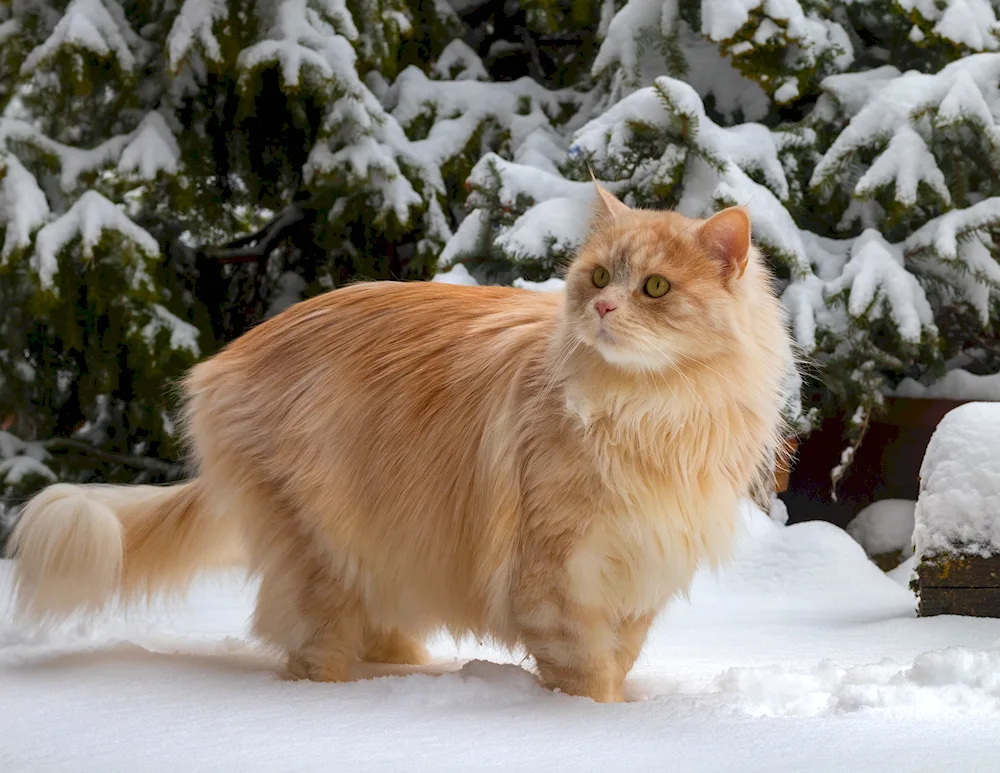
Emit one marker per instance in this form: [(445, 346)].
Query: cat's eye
[(656, 286), (601, 277)]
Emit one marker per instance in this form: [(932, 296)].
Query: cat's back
[(383, 321), (391, 356)]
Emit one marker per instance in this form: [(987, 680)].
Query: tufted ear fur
[(608, 207), (726, 238)]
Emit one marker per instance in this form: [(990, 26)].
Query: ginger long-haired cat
[(546, 469)]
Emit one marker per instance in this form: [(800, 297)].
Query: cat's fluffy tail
[(81, 547)]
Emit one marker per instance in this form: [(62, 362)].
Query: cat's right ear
[(607, 207)]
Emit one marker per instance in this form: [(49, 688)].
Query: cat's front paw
[(635, 693)]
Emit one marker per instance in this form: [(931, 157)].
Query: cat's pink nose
[(603, 307)]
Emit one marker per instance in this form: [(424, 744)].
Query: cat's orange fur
[(393, 458)]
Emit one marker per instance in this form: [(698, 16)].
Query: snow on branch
[(974, 277), (554, 226), (23, 206), (88, 220), (369, 147), (965, 104), (151, 149), (969, 23), (553, 211), (459, 109), (371, 160), (906, 163), (619, 57), (467, 240), (360, 144), (519, 180), (181, 335), (147, 150), (722, 19), (307, 37), (805, 301), (73, 162), (87, 25), (195, 23), (746, 32), (751, 30), (674, 109), (942, 235), (20, 459), (876, 281), (879, 279), (893, 104), (8, 29), (458, 62)]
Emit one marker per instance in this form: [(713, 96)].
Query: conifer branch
[(136, 462), (257, 246)]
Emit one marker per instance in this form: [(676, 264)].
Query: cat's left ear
[(726, 238), (608, 205)]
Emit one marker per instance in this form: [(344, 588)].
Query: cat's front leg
[(632, 634), (575, 653)]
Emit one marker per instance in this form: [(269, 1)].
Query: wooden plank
[(916, 411), (888, 561), (783, 467), (960, 572), (972, 602)]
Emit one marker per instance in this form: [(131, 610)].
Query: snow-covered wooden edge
[(957, 519)]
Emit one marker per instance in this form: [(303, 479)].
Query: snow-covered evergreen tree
[(173, 171)]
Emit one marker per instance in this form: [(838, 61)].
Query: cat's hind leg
[(394, 646), (320, 626), (327, 655), (306, 611)]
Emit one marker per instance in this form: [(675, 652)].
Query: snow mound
[(905, 572), (474, 682), (958, 508), (885, 527), (952, 678), (812, 570)]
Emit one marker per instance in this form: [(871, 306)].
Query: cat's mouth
[(621, 357), (614, 352)]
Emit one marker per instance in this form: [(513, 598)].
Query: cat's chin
[(627, 359)]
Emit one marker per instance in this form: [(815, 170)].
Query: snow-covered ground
[(885, 526), (802, 655)]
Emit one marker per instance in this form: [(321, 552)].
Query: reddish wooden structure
[(886, 466)]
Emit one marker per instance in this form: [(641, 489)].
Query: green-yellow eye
[(601, 277), (656, 286)]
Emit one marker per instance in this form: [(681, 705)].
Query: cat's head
[(651, 289)]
